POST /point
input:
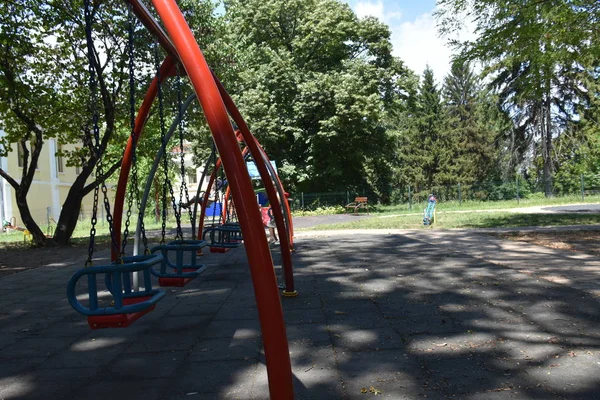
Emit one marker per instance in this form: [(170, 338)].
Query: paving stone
[(381, 311), (467, 372), (365, 339), (237, 313), (32, 347), (389, 371), (28, 388), (434, 324), (159, 341), (240, 329), (148, 365), (314, 374), (10, 368), (190, 308), (9, 339), (304, 316), (186, 322), (308, 333), (88, 353), (225, 349), (228, 379), (148, 389)]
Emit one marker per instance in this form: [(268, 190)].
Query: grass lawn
[(467, 220), (486, 205)]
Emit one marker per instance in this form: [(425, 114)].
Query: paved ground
[(313, 221), (575, 208), (407, 315)]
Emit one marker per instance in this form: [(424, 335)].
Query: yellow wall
[(41, 194)]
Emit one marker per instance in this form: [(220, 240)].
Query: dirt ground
[(584, 241)]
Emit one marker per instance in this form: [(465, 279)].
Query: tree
[(533, 61), (315, 84), (470, 137), (425, 151), (45, 92)]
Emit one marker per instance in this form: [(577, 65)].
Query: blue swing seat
[(183, 273), (223, 238), (128, 305)]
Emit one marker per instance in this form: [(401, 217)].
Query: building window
[(192, 178), (60, 165), (77, 167), (20, 155)]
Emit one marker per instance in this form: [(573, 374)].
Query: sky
[(414, 34)]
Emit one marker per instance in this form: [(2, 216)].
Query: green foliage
[(315, 85), (328, 210), (537, 66)]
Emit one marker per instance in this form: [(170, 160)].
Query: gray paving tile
[(162, 364), (225, 349)]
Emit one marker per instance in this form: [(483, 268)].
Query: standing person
[(269, 222)]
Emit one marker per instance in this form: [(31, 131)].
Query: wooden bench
[(359, 202)]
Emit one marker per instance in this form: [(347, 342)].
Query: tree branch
[(9, 179), (101, 179)]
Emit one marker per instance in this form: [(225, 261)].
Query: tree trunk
[(547, 154), (39, 238), (69, 216)]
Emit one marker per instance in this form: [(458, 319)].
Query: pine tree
[(470, 139), (422, 146)]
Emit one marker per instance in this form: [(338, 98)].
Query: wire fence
[(406, 197), (491, 191)]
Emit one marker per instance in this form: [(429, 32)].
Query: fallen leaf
[(339, 312), (364, 390), (374, 390)]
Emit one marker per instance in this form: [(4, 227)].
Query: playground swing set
[(128, 279)]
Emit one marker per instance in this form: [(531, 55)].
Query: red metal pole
[(166, 69), (256, 152), (257, 249), (228, 191), (285, 201)]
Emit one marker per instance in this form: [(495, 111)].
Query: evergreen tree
[(470, 138), (535, 62), (423, 147)]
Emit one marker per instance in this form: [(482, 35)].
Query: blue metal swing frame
[(183, 273), (128, 305)]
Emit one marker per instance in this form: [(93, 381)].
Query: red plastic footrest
[(176, 282), (219, 249), (120, 320)]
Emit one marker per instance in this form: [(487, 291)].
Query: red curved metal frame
[(266, 291), (166, 69), (286, 203), (257, 249), (256, 149)]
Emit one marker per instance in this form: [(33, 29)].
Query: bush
[(320, 211)]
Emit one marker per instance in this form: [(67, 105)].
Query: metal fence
[(519, 189)]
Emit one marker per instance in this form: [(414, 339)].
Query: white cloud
[(375, 9), (417, 43), (367, 8)]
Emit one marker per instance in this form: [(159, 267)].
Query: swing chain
[(92, 83), (161, 115), (134, 169), (183, 186)]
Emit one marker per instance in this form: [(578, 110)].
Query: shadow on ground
[(381, 314)]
